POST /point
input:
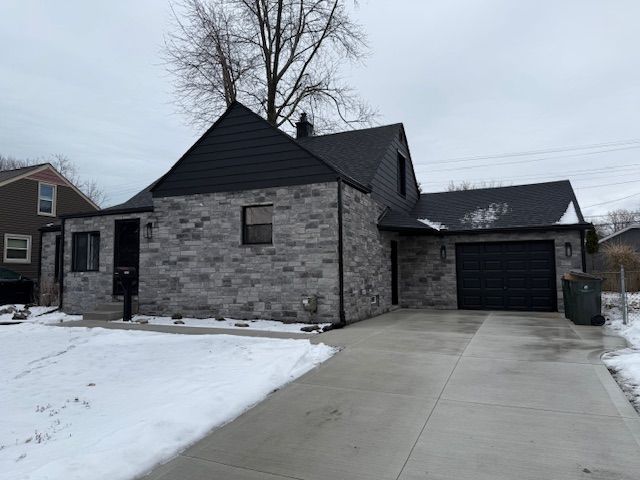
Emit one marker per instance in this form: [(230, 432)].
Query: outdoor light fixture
[(443, 252), (568, 250), (148, 231)]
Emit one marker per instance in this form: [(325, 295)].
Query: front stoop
[(107, 311)]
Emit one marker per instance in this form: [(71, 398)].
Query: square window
[(85, 252), (46, 199), (17, 248), (257, 224)]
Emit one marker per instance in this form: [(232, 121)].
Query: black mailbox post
[(127, 278)]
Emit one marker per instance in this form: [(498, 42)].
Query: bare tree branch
[(277, 56)]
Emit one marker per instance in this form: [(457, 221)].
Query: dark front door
[(506, 276), (126, 250), (394, 272)]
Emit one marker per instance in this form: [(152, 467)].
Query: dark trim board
[(508, 275)]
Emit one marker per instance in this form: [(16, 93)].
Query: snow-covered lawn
[(264, 325), (79, 403), (37, 314), (625, 363)]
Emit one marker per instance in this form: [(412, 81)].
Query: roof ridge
[(349, 131), (498, 188), (35, 165)]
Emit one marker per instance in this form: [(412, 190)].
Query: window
[(46, 199), (402, 175), (86, 251), (257, 224), (17, 248)]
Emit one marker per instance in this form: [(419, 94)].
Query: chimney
[(304, 128)]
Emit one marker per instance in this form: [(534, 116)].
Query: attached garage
[(506, 276)]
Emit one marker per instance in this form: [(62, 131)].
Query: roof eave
[(102, 213)]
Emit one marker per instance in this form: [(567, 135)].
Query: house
[(30, 199), (252, 223), (627, 236)]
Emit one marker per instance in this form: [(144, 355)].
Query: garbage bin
[(582, 295)]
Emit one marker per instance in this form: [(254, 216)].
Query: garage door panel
[(507, 276)]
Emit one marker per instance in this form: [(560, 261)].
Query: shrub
[(617, 254)]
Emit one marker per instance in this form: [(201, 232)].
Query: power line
[(538, 152), (531, 160), (613, 201), (606, 184)]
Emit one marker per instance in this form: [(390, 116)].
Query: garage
[(518, 275)]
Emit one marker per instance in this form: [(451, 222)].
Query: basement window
[(402, 175), (257, 224), (86, 252)]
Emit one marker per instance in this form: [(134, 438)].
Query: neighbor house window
[(86, 251), (257, 224), (46, 199), (402, 174), (17, 248)]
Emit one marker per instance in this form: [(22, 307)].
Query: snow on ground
[(38, 314), (626, 362), (430, 223), (570, 216), (82, 403), (263, 325)]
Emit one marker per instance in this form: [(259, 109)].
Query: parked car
[(14, 288)]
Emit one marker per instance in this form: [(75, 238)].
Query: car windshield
[(6, 274)]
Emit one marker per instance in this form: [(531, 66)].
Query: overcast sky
[(467, 78)]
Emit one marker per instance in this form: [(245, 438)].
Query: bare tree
[(278, 57), (621, 218), (469, 185), (67, 169)]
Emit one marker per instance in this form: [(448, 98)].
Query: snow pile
[(485, 217), (262, 325), (82, 403), (36, 314), (435, 225), (626, 362), (570, 216)]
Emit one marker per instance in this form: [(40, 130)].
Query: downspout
[(583, 253), (61, 273), (343, 319)]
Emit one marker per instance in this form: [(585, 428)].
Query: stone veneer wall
[(367, 257), (430, 282), (198, 266), (47, 286), (84, 290)]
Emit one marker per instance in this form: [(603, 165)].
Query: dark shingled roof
[(142, 199), (520, 206), (357, 153), (9, 174)]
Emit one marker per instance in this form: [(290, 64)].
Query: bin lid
[(576, 275)]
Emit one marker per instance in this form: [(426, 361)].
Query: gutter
[(481, 231), (343, 318), (101, 213), (582, 252)]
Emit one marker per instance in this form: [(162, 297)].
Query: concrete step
[(109, 307), (102, 315)]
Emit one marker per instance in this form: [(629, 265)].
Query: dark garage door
[(506, 276)]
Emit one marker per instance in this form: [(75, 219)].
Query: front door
[(394, 272), (126, 250)]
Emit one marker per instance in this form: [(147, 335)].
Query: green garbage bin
[(582, 294)]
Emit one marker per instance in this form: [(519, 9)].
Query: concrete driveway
[(437, 395)]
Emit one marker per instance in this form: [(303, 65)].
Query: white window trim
[(7, 236), (54, 200)]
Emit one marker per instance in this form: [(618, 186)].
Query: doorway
[(126, 250)]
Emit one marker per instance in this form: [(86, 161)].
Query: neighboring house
[(31, 198), (627, 236), (252, 223)]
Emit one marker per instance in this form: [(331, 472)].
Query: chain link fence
[(621, 294)]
